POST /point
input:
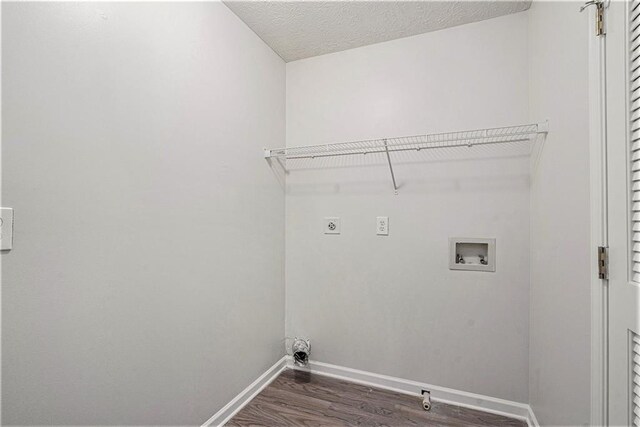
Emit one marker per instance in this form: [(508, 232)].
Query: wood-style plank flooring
[(298, 398)]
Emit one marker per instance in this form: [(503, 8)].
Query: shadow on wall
[(279, 170), (445, 170), (470, 185)]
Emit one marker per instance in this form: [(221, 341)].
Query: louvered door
[(623, 200), (633, 31), (635, 379)]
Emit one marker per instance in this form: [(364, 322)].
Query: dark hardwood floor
[(297, 398)]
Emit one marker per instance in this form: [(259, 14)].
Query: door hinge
[(600, 19), (603, 262), (599, 4)]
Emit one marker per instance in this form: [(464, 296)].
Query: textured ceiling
[(304, 28)]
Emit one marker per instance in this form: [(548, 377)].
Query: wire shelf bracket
[(469, 138)]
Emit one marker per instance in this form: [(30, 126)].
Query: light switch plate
[(382, 226), (332, 225), (6, 229)]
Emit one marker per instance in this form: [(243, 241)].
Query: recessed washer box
[(472, 254)]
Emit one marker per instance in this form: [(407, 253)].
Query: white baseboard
[(440, 394), (532, 421), (221, 417)]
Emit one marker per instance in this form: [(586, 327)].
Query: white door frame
[(598, 223)]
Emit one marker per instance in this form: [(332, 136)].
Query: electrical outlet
[(382, 226), (332, 225)]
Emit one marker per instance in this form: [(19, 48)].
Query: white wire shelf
[(469, 138)]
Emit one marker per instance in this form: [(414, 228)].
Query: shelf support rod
[(393, 177)]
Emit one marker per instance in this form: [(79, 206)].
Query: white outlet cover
[(331, 225), (6, 229), (382, 226)]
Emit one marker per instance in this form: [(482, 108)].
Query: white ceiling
[(304, 28)]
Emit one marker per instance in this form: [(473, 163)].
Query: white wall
[(560, 272), (141, 271), (390, 304), (146, 282)]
